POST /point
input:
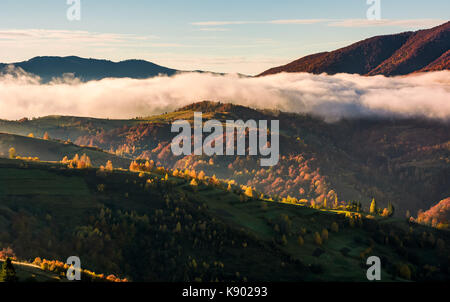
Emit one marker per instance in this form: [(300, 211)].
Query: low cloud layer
[(333, 97)]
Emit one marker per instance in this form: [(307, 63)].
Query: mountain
[(226, 218), (398, 160), (90, 69), (390, 55)]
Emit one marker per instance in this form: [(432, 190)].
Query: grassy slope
[(69, 196), (26, 272), (51, 150), (405, 162)]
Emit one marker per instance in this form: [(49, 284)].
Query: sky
[(232, 36)]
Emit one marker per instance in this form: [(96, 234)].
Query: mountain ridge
[(86, 69), (389, 55)]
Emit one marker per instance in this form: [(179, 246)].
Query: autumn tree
[(334, 227), (12, 153), (300, 240), (324, 235), (284, 240), (249, 192), (109, 166), (373, 206), (317, 238), (46, 136), (336, 202)]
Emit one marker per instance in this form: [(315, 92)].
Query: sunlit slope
[(52, 150), (168, 230)]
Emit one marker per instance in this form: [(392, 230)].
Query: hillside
[(151, 227), (404, 161), (437, 216), (390, 55), (90, 69), (53, 150), (53, 271)]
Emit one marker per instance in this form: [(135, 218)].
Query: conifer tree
[(8, 273), (390, 209)]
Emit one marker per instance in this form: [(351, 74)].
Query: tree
[(178, 228), (300, 240), (317, 238), (31, 135), (249, 192), (109, 166), (390, 209), (284, 240), (373, 206), (324, 235), (8, 273), (408, 214), (12, 153), (405, 271), (46, 136), (335, 227)]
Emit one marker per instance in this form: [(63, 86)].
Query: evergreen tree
[(408, 214), (390, 209), (8, 273)]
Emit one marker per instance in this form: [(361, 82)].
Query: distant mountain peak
[(390, 55)]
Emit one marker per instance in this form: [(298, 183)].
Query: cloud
[(221, 23), (405, 23), (297, 21), (285, 21), (411, 23), (22, 35), (214, 29), (333, 97)]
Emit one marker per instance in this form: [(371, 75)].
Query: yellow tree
[(12, 153), (109, 166), (201, 175), (373, 206), (249, 192)]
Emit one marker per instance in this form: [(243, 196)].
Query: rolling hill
[(84, 69), (403, 161), (390, 55), (53, 150), (151, 227)]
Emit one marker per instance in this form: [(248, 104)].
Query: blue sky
[(246, 36)]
